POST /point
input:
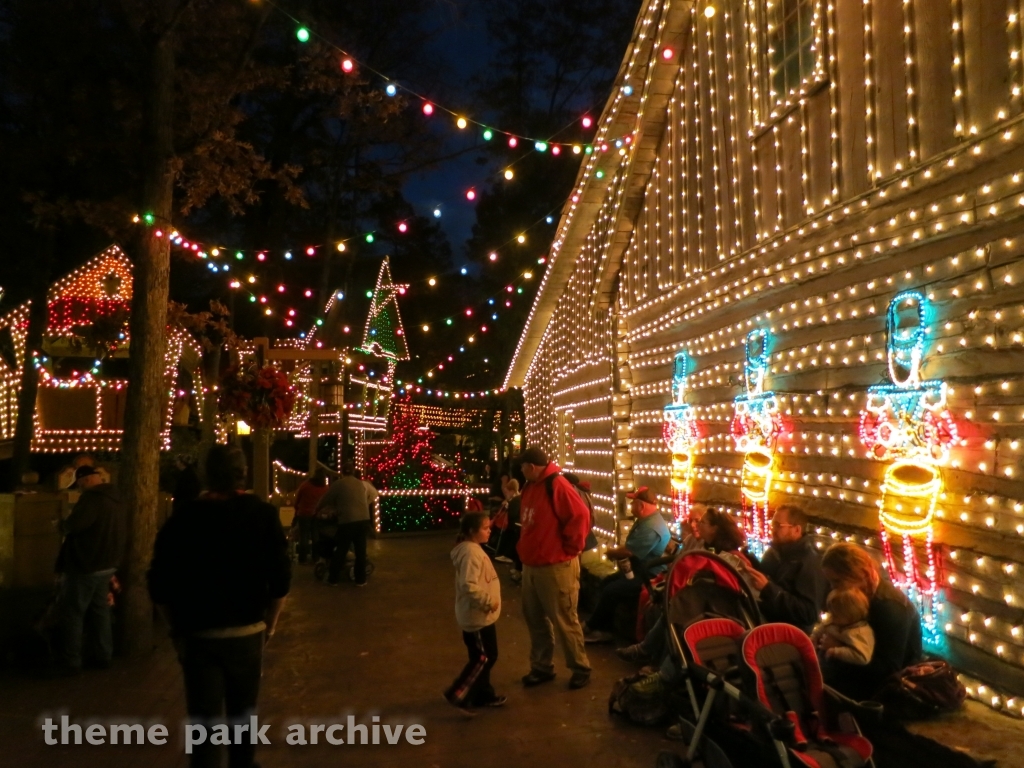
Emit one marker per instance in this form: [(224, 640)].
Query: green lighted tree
[(407, 464), (384, 334)]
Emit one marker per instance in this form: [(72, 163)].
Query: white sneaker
[(502, 559)]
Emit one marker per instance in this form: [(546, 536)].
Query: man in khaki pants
[(555, 521)]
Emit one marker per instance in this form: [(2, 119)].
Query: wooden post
[(261, 462), (343, 437), (316, 374)]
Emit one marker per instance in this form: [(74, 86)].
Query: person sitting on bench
[(646, 541)]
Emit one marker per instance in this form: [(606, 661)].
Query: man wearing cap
[(93, 548), (646, 541), (555, 521)]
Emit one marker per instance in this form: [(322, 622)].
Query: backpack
[(640, 698), (549, 486)]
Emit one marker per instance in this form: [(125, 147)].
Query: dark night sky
[(462, 50)]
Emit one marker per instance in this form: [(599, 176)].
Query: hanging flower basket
[(261, 397)]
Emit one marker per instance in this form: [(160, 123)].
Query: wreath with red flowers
[(261, 397)]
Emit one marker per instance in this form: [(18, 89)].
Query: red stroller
[(774, 702), (738, 676), (788, 681)]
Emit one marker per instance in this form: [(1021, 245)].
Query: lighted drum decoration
[(756, 426), (681, 432), (906, 423)]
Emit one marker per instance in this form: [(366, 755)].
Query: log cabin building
[(790, 271)]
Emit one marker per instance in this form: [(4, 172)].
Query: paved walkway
[(388, 649)]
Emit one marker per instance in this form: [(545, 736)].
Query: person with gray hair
[(347, 502), (220, 572)]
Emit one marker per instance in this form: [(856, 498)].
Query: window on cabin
[(791, 46)]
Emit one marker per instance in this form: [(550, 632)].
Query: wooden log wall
[(897, 164)]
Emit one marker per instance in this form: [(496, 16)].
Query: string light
[(806, 242)]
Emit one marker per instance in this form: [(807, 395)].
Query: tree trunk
[(25, 424), (147, 390)]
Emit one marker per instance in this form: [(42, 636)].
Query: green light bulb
[(252, 299), (448, 321), (369, 237), (149, 218), (369, 294), (302, 34), (239, 255), (488, 135), (319, 321)]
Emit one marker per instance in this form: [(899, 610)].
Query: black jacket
[(96, 533), (796, 590), (897, 627), (219, 563)]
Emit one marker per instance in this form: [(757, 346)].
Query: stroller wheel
[(320, 570), (352, 570), (670, 760)]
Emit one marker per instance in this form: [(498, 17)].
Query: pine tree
[(407, 464)]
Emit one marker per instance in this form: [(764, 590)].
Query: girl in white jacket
[(477, 607)]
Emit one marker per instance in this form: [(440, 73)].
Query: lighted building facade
[(824, 213)]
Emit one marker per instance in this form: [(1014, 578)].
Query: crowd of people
[(864, 629), (221, 570)]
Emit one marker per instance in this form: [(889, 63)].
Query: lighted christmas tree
[(407, 464), (384, 335)]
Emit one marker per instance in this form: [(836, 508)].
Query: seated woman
[(891, 616), (724, 537), (714, 531), (646, 541)]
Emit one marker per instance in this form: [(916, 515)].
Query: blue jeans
[(307, 535), (655, 642), (84, 599), (222, 683)]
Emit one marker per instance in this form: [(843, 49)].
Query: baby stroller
[(323, 552), (703, 587), (763, 697)]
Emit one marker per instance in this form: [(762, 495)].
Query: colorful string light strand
[(350, 64)]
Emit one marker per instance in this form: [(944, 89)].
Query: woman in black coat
[(894, 620)]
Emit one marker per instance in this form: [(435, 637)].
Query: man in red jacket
[(555, 521)]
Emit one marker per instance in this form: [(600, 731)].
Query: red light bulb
[(513, 141), (347, 65), (428, 108), (587, 121), (471, 194)]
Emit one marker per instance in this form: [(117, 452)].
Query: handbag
[(922, 690)]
